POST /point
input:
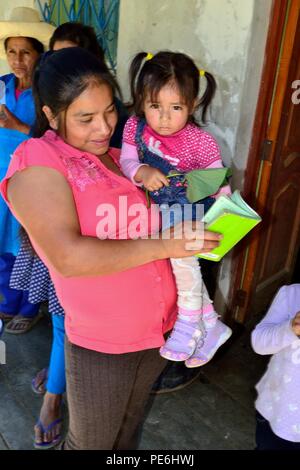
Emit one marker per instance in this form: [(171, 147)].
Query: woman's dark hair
[(168, 67), (60, 77), (82, 35), (35, 43)]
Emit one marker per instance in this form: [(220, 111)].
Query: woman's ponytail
[(41, 124)]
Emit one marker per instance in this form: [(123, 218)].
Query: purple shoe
[(214, 338), (183, 340)]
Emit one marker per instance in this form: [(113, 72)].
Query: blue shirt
[(23, 109)]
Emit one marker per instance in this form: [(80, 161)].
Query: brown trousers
[(107, 395)]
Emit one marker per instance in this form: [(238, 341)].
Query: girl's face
[(90, 120), (21, 57), (168, 114)]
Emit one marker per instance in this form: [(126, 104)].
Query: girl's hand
[(296, 324), (183, 240), (151, 178), (9, 121)]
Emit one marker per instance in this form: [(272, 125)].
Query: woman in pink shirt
[(91, 227)]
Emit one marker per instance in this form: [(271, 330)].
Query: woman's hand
[(9, 121), (296, 324), (188, 239), (151, 178)]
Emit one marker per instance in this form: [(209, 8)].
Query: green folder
[(233, 218)]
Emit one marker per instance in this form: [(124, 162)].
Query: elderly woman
[(22, 40)]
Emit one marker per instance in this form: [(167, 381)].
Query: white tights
[(193, 297)]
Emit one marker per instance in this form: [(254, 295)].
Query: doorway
[(271, 258)]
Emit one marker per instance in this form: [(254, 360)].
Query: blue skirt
[(29, 273)]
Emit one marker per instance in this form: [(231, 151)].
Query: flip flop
[(6, 317), (43, 376), (57, 439), (20, 319)]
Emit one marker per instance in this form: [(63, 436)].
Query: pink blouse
[(122, 312), (188, 149)]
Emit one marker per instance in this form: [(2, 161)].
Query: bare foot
[(39, 382), (50, 412)]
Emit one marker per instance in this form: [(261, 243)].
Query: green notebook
[(231, 216)]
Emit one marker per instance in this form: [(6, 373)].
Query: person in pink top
[(110, 268), (163, 138)]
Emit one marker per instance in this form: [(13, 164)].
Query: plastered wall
[(226, 37)]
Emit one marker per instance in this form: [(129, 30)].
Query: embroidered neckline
[(82, 171)]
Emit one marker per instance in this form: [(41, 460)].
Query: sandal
[(28, 324), (38, 383), (55, 441), (6, 316)]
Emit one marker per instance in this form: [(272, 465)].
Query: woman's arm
[(9, 121), (43, 203)]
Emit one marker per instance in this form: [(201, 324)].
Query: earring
[(53, 124)]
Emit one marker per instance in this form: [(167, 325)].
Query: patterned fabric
[(82, 172), (188, 149), (30, 274), (175, 193)]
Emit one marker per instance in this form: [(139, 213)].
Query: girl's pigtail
[(133, 74), (208, 94)]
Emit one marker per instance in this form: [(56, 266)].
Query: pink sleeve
[(129, 161), (130, 130), (32, 152), (208, 150)]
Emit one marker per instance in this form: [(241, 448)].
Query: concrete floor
[(214, 412)]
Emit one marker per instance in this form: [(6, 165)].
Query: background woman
[(22, 40)]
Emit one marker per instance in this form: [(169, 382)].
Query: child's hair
[(82, 35), (168, 67), (60, 77)]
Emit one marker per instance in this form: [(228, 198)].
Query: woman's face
[(21, 57), (90, 120)]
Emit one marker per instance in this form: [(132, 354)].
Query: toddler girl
[(163, 138), (278, 401)]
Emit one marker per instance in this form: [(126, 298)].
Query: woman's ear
[(53, 120)]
